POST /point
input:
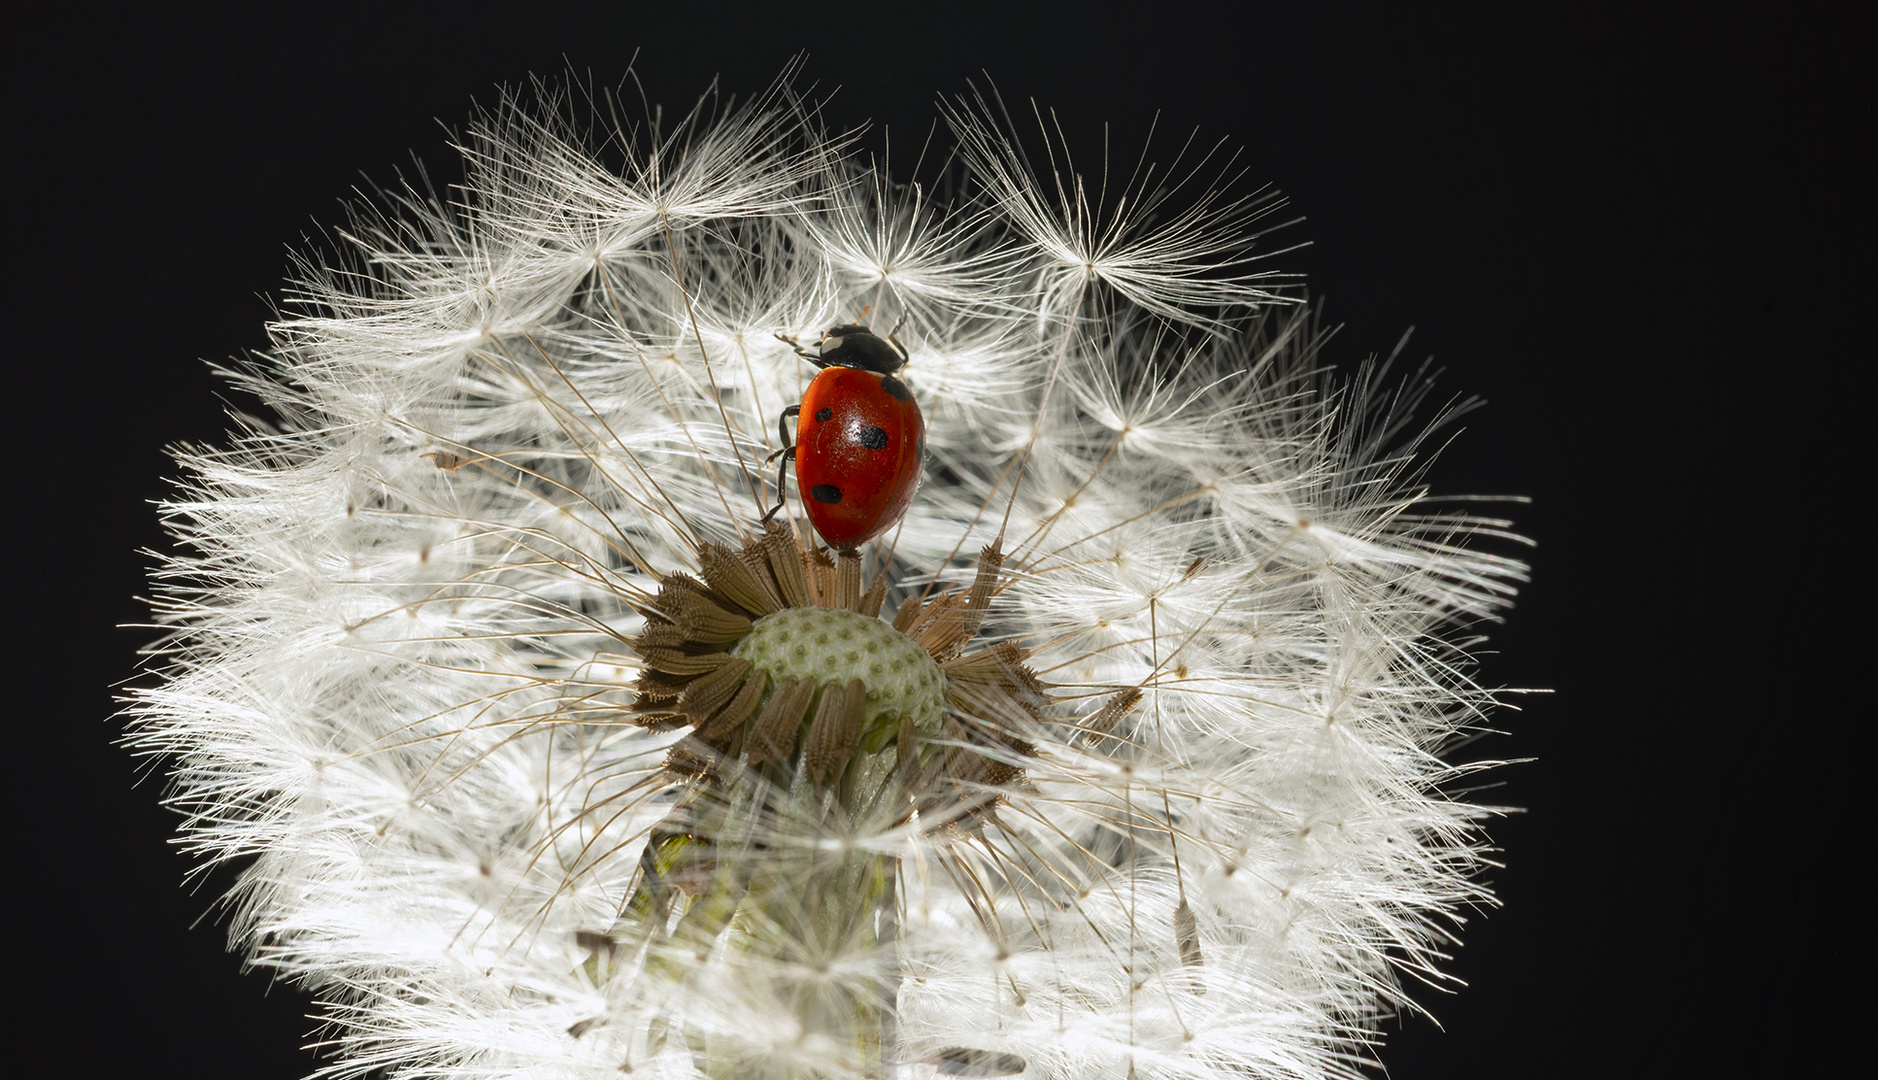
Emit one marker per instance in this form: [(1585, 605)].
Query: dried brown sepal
[(678, 662), (993, 708), (755, 558), (821, 577), (660, 719), (1001, 663), (691, 757), (940, 628), (944, 626), (907, 614), (658, 634), (773, 736), (962, 782), (995, 691), (735, 711), (1021, 682), (676, 585), (1110, 715), (785, 562), (675, 592), (1003, 774), (1187, 934), (836, 731), (734, 748), (993, 760), (875, 596), (654, 685), (709, 693), (729, 574), (847, 593), (990, 710), (984, 583), (700, 618)]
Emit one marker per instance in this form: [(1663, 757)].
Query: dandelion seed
[(1118, 756)]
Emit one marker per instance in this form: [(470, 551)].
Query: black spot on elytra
[(874, 438), (897, 388), (824, 415), (825, 493)]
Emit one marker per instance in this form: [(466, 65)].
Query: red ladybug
[(860, 439)]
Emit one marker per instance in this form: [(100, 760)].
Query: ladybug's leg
[(782, 427), (893, 336), (787, 454)]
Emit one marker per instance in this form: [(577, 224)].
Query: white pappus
[(470, 651)]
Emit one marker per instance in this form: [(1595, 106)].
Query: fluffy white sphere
[(402, 673)]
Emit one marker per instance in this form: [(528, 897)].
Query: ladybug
[(860, 439)]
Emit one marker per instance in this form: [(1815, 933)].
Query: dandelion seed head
[(1122, 753)]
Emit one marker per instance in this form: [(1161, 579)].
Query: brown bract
[(743, 722)]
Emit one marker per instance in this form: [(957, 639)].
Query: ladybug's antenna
[(804, 353)]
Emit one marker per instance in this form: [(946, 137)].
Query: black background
[(1632, 230)]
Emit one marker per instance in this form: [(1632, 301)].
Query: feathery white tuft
[(399, 670)]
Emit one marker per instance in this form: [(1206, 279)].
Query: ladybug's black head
[(856, 346)]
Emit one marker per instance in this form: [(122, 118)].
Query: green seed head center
[(833, 646)]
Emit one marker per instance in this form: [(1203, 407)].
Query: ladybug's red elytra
[(860, 439)]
